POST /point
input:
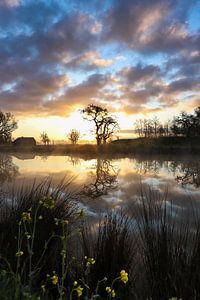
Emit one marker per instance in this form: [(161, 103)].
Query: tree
[(7, 125), (151, 127), (44, 138), (105, 125), (74, 136), (187, 124), (108, 128)]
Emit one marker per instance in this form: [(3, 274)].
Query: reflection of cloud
[(128, 178)]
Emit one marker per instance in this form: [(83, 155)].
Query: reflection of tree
[(8, 170), (148, 166), (105, 178), (188, 173), (74, 160)]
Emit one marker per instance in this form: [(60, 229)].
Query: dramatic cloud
[(131, 56)]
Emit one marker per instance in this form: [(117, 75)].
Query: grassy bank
[(161, 145), (50, 250), (128, 147)]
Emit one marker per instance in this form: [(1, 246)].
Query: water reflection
[(8, 170), (104, 179), (188, 173), (109, 183)]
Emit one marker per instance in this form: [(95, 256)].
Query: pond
[(106, 184)]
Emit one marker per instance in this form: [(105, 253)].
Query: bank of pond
[(121, 147)]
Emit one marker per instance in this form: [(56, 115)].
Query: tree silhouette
[(105, 125), (187, 124), (44, 138), (74, 136), (7, 125)]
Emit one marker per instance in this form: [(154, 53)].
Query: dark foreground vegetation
[(50, 250)]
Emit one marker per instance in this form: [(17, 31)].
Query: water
[(108, 184)]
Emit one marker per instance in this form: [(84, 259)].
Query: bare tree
[(109, 126), (151, 127), (44, 138), (74, 136), (105, 125), (7, 125), (156, 125)]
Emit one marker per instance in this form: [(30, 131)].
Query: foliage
[(187, 124), (74, 136), (40, 230), (7, 125), (50, 251), (105, 125)]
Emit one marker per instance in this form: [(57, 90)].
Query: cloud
[(140, 73), (10, 3), (90, 60), (151, 26), (110, 49), (77, 96), (28, 95)]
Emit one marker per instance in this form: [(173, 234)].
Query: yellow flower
[(26, 217), (108, 289), (54, 279), (19, 253), (113, 294), (79, 290), (43, 288), (40, 217), (75, 283), (47, 202), (82, 213), (124, 276), (90, 261), (65, 222)]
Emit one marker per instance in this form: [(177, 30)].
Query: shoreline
[(119, 148)]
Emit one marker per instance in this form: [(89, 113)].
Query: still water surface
[(107, 184)]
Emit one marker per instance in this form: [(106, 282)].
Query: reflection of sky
[(132, 176)]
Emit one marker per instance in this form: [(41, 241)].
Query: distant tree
[(105, 125), (74, 136), (7, 125), (44, 138), (156, 126), (151, 127)]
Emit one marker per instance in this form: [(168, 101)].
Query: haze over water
[(107, 184)]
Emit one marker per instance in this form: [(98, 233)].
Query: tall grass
[(157, 243), (27, 199), (114, 248), (169, 248)]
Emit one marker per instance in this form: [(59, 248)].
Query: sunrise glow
[(136, 60)]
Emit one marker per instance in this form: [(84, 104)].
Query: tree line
[(105, 125), (185, 124)]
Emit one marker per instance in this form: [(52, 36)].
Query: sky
[(137, 58)]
